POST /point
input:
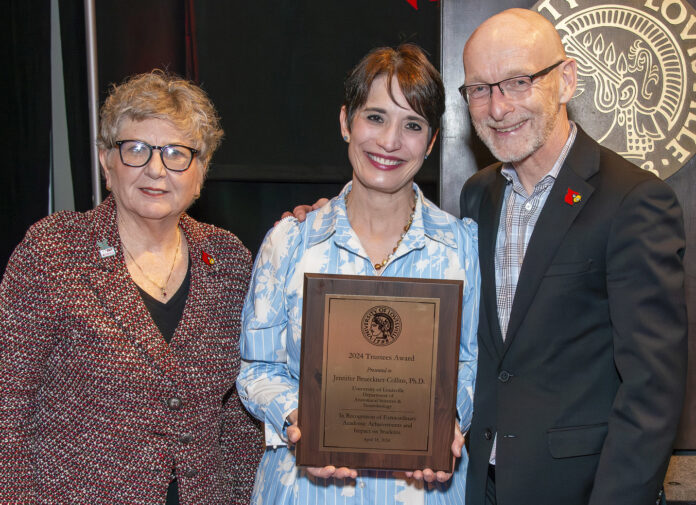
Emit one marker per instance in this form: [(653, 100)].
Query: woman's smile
[(383, 162)]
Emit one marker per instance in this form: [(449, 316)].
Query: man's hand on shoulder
[(300, 212)]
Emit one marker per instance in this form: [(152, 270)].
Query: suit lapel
[(119, 296), (489, 220), (552, 226)]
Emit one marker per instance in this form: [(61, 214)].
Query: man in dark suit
[(582, 332)]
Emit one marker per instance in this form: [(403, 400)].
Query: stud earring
[(346, 138), (426, 157)]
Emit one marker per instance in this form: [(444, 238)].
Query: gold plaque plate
[(380, 369)]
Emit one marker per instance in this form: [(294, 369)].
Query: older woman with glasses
[(119, 326)]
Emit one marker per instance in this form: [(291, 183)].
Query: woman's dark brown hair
[(419, 81)]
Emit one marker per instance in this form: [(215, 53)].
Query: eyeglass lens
[(137, 154), (514, 86), (509, 87)]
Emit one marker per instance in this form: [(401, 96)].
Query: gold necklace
[(383, 263), (161, 287)]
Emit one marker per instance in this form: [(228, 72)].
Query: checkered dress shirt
[(517, 219)]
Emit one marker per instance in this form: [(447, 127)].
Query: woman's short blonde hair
[(159, 95)]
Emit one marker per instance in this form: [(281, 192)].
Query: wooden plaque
[(378, 373)]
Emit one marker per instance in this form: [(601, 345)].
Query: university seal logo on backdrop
[(381, 325), (636, 76)]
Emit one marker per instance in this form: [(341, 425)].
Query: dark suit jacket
[(87, 380), (586, 391)]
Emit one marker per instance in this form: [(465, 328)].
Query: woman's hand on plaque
[(326, 472), (429, 475)]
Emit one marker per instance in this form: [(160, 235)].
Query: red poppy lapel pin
[(207, 258), (572, 197)]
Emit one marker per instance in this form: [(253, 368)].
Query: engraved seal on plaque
[(381, 325), (635, 76)]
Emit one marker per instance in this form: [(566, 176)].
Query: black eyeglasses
[(136, 153), (513, 87)]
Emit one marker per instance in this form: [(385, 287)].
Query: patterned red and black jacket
[(95, 406)]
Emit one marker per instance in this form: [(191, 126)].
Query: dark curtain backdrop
[(72, 29), (135, 36), (25, 114)]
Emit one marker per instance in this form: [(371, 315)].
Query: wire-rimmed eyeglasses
[(513, 87), (136, 153)]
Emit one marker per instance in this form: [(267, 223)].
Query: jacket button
[(504, 376), (186, 438), (488, 434), (174, 403), (189, 473)]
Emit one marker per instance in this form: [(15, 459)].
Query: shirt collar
[(428, 221), (510, 174)]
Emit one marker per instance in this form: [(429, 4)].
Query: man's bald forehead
[(527, 25)]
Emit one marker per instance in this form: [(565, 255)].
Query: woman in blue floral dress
[(380, 224)]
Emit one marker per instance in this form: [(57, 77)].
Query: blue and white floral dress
[(437, 246)]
